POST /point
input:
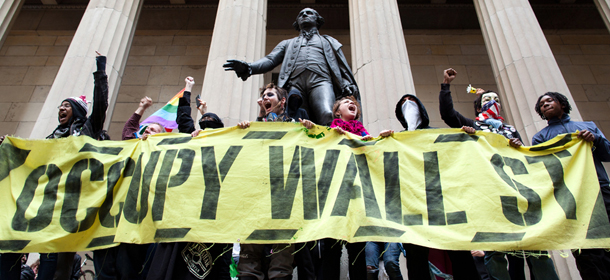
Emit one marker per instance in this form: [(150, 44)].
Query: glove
[(242, 69), (101, 63)]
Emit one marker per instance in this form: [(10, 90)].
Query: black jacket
[(94, 124), (27, 273), (185, 122), (425, 120), (183, 115), (455, 120)]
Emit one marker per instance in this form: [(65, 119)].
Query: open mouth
[(352, 108), (267, 105), (62, 116)]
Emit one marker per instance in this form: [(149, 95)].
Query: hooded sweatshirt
[(423, 114)]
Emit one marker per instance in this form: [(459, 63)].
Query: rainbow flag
[(166, 116)]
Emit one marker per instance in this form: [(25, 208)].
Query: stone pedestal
[(107, 27), (604, 9), (379, 61), (522, 62), (9, 9), (239, 33)]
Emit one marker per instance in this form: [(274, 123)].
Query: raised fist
[(449, 75)]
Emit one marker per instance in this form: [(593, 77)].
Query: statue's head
[(308, 17)]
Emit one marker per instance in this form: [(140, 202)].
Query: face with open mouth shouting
[(272, 102), (65, 112), (348, 110)]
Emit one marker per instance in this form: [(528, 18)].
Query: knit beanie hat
[(79, 101), (79, 107)]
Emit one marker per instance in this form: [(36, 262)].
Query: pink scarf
[(352, 126)]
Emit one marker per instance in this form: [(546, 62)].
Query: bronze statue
[(314, 70)]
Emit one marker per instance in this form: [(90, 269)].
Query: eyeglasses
[(65, 106)]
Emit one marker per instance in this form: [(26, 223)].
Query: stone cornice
[(315, 6)]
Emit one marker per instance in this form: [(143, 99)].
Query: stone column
[(379, 61), (9, 9), (565, 265), (239, 33), (107, 27), (604, 9), (522, 62)]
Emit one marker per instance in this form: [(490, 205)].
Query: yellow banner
[(282, 183)]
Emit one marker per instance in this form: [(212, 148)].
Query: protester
[(479, 260), (488, 120), (127, 260), (73, 121), (34, 266), (347, 112), (251, 257), (390, 252), (76, 271), (132, 126), (73, 111), (555, 108), (27, 273), (190, 260), (412, 114), (487, 108), (10, 267), (183, 116)]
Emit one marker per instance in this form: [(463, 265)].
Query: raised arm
[(451, 117), (100, 95), (183, 116), (133, 123)]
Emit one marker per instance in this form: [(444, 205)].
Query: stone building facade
[(519, 48)]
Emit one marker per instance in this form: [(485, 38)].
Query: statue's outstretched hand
[(242, 69)]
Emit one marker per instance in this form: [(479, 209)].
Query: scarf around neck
[(352, 126)]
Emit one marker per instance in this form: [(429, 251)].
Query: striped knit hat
[(80, 101)]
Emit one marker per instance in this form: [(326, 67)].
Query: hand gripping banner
[(282, 183)]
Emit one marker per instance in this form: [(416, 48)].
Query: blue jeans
[(391, 253), (542, 267)]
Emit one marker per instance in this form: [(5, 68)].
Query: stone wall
[(157, 65), (584, 59), (432, 51), (29, 61)]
